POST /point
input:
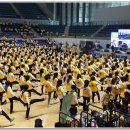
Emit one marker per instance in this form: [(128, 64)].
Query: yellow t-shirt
[(101, 74), (24, 95), (42, 79), (93, 86), (73, 101), (59, 92), (86, 92), (48, 88), (29, 85), (8, 93), (106, 99), (68, 85), (79, 83)]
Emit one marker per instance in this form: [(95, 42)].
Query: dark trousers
[(5, 115), (93, 94), (117, 97), (84, 101), (78, 93), (102, 80), (34, 91), (42, 89), (31, 102), (55, 95), (12, 83), (21, 87), (1, 97), (49, 97), (11, 103), (61, 100)]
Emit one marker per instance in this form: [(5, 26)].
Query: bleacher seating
[(106, 32), (50, 28), (83, 30), (21, 30), (29, 10), (6, 11)]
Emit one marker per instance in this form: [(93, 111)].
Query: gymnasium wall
[(112, 14), (76, 41)]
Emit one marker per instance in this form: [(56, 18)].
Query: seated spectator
[(58, 124), (38, 123)]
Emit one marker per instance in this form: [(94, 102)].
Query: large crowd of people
[(60, 73)]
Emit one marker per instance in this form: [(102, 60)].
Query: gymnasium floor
[(38, 110)]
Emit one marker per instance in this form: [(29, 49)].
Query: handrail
[(75, 120)]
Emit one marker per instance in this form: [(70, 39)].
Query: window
[(87, 13), (80, 12), (74, 12)]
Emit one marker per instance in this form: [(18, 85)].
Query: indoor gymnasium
[(64, 64)]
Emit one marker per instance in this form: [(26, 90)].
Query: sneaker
[(12, 119), (3, 103), (27, 118), (49, 105)]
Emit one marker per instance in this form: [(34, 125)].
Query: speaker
[(89, 45), (107, 46)]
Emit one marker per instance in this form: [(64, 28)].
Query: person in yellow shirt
[(2, 76), (30, 62), (60, 91), (25, 96), (87, 94), (102, 75), (54, 83), (90, 69), (79, 83), (11, 78), (42, 80), (125, 67), (106, 98), (2, 91), (69, 83), (49, 88), (123, 89), (31, 86), (74, 100), (11, 96), (94, 88), (21, 80), (116, 86)]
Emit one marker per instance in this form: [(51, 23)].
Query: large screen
[(124, 34), (121, 38)]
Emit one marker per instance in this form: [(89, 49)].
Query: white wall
[(77, 41), (112, 14)]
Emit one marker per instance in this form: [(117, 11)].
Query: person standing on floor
[(87, 94), (60, 91), (26, 98), (11, 96), (49, 88)]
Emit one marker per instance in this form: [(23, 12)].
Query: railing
[(69, 120), (103, 23), (29, 21)]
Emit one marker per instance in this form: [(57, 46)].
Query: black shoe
[(3, 103), (12, 119)]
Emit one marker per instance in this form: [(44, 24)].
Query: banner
[(66, 105)]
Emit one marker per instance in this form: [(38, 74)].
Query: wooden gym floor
[(49, 115)]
